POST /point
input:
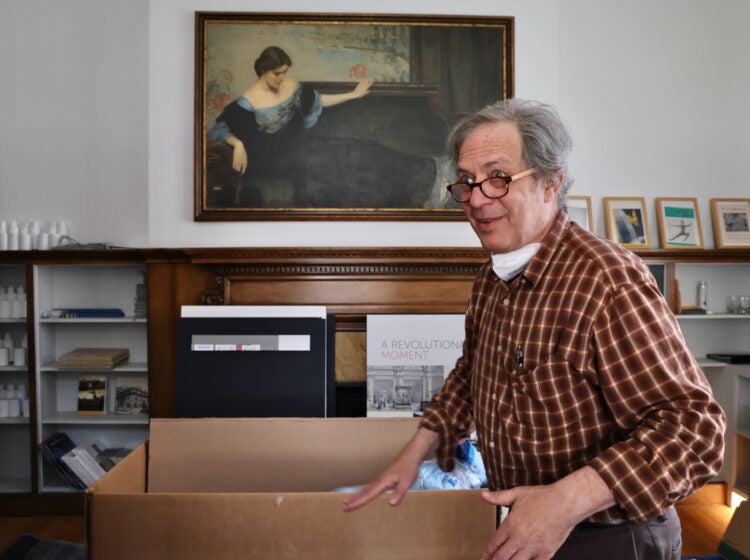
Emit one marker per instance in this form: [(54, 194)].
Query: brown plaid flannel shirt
[(605, 379)]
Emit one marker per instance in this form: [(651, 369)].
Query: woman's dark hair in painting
[(270, 59)]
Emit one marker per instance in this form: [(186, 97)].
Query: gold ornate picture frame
[(324, 152)]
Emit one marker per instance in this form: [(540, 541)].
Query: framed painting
[(579, 210), (679, 223), (626, 221), (337, 117), (731, 222)]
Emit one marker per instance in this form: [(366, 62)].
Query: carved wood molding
[(326, 256), (236, 270), (337, 255)]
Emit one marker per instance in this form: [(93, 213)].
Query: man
[(592, 415)]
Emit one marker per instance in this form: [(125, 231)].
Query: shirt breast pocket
[(555, 400)]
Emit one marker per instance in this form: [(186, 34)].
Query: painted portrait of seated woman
[(280, 142), (269, 131)]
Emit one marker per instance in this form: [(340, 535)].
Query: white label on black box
[(251, 342)]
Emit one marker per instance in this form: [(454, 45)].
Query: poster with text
[(408, 358)]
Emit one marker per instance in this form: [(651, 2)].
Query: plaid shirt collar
[(551, 242)]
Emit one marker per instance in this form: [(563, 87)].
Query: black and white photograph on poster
[(402, 390), (408, 359)]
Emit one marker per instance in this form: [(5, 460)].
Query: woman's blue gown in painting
[(289, 166)]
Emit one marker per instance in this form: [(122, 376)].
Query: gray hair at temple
[(545, 142)]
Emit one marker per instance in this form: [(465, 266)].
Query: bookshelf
[(15, 428), (89, 286)]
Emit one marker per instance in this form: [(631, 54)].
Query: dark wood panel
[(42, 504), (170, 286), (352, 295)]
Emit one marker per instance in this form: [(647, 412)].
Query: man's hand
[(536, 527), (399, 476), (542, 517)]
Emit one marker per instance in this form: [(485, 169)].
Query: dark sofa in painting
[(386, 150)]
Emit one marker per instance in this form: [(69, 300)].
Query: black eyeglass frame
[(508, 179)]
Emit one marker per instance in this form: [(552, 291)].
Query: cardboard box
[(735, 545), (261, 488)]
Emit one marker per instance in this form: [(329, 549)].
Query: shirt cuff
[(633, 483)]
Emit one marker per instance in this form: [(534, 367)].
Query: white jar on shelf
[(4, 304)]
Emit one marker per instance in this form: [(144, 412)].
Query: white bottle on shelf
[(703, 295), (8, 343), (4, 304), (3, 236), (13, 236), (34, 230), (62, 227), (24, 237), (18, 304)]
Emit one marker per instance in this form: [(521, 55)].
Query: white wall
[(656, 94), (96, 111), (73, 115)]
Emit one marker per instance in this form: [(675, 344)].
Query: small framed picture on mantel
[(679, 223), (626, 221), (731, 221), (579, 210)]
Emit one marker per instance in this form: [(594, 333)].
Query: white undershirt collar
[(508, 265)]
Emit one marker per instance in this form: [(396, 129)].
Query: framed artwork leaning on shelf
[(626, 221), (92, 394), (659, 271), (731, 222), (679, 223), (579, 210)]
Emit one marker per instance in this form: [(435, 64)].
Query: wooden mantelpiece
[(351, 283), (324, 255)]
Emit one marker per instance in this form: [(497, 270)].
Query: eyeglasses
[(491, 187)]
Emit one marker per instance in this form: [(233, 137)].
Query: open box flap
[(271, 454)]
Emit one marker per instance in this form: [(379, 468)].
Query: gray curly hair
[(545, 141)]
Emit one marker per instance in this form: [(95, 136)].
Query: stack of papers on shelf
[(93, 358)]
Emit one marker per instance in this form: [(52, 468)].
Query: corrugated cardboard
[(261, 489), (735, 545)]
